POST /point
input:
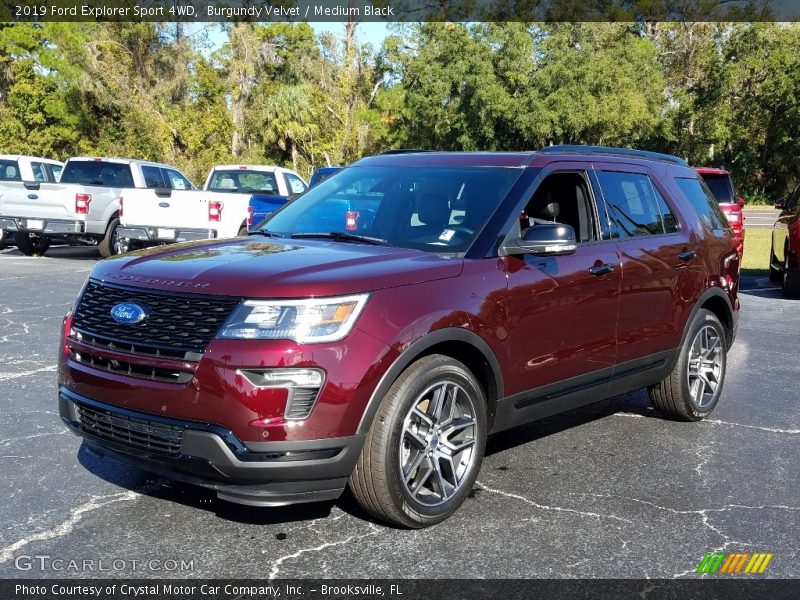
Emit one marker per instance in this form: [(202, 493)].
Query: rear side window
[(703, 202), (635, 206), (100, 173), (176, 180), (295, 184), (721, 187), (153, 178), (39, 173), (9, 171), (55, 171)]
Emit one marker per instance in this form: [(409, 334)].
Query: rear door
[(661, 262), (563, 310)]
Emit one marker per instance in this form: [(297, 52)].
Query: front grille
[(122, 367), (137, 434), (185, 323)]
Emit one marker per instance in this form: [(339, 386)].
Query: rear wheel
[(693, 388), (791, 277), (112, 244), (31, 244), (425, 447)]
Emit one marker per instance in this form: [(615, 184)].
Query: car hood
[(272, 268)]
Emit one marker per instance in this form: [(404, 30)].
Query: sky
[(373, 32)]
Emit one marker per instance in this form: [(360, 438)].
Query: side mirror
[(740, 201), (544, 239), (780, 203)]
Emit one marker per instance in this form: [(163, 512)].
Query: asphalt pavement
[(761, 217), (613, 490)]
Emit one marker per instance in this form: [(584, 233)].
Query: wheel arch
[(462, 345), (718, 302)]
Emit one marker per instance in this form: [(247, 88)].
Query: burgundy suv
[(379, 327)]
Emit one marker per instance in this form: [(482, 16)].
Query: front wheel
[(423, 452), (31, 244), (693, 388)]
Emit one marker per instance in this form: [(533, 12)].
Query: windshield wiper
[(341, 236), (266, 233)]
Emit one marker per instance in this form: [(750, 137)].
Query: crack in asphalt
[(276, 566), (720, 422), (9, 376), (552, 508), (65, 527)]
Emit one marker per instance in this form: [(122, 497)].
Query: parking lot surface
[(612, 490)]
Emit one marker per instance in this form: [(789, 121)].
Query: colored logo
[(32, 196), (128, 313), (163, 204), (734, 563)]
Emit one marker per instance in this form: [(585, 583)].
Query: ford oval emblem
[(163, 204), (128, 313), (32, 196)]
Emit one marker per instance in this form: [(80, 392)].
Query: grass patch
[(757, 248)]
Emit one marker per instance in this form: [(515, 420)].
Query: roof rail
[(609, 151), (403, 151)]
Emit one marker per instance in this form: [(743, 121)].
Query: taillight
[(82, 202), (215, 211), (249, 216), (351, 220), (121, 204)]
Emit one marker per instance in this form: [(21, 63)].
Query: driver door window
[(563, 198)]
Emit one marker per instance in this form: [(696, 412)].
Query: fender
[(711, 292), (448, 334)]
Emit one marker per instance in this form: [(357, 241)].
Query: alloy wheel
[(705, 366), (437, 446)]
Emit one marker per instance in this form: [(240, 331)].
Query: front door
[(563, 310)]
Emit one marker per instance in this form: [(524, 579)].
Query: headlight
[(304, 321)]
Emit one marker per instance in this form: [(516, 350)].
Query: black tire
[(111, 244), (377, 482), (3, 238), (791, 277), (31, 244), (673, 395), (775, 273)]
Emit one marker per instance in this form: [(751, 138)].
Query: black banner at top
[(397, 10)]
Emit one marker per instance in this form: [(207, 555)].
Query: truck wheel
[(423, 452), (775, 275), (791, 277), (112, 244), (31, 244), (3, 238), (693, 388)]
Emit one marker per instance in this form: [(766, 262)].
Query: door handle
[(598, 270), (687, 255)]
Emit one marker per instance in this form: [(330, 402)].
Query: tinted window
[(721, 187), (39, 173), (295, 184), (435, 209), (100, 173), (153, 178), (176, 180), (244, 181), (9, 171), (703, 201), (632, 204), (671, 224)]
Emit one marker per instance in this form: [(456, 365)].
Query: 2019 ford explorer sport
[(378, 328)]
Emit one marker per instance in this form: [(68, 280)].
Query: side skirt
[(582, 390)]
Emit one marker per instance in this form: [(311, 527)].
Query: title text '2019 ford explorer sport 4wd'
[(385, 322)]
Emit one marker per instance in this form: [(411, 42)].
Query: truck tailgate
[(50, 201)]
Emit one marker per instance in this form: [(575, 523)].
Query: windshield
[(721, 187), (243, 181), (436, 209), (86, 172)]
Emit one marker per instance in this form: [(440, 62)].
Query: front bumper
[(44, 226), (252, 473), (158, 235)]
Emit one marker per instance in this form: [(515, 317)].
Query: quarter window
[(703, 201), (39, 174), (635, 206)]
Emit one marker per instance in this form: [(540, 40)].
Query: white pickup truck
[(84, 204), (22, 175), (232, 198)]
